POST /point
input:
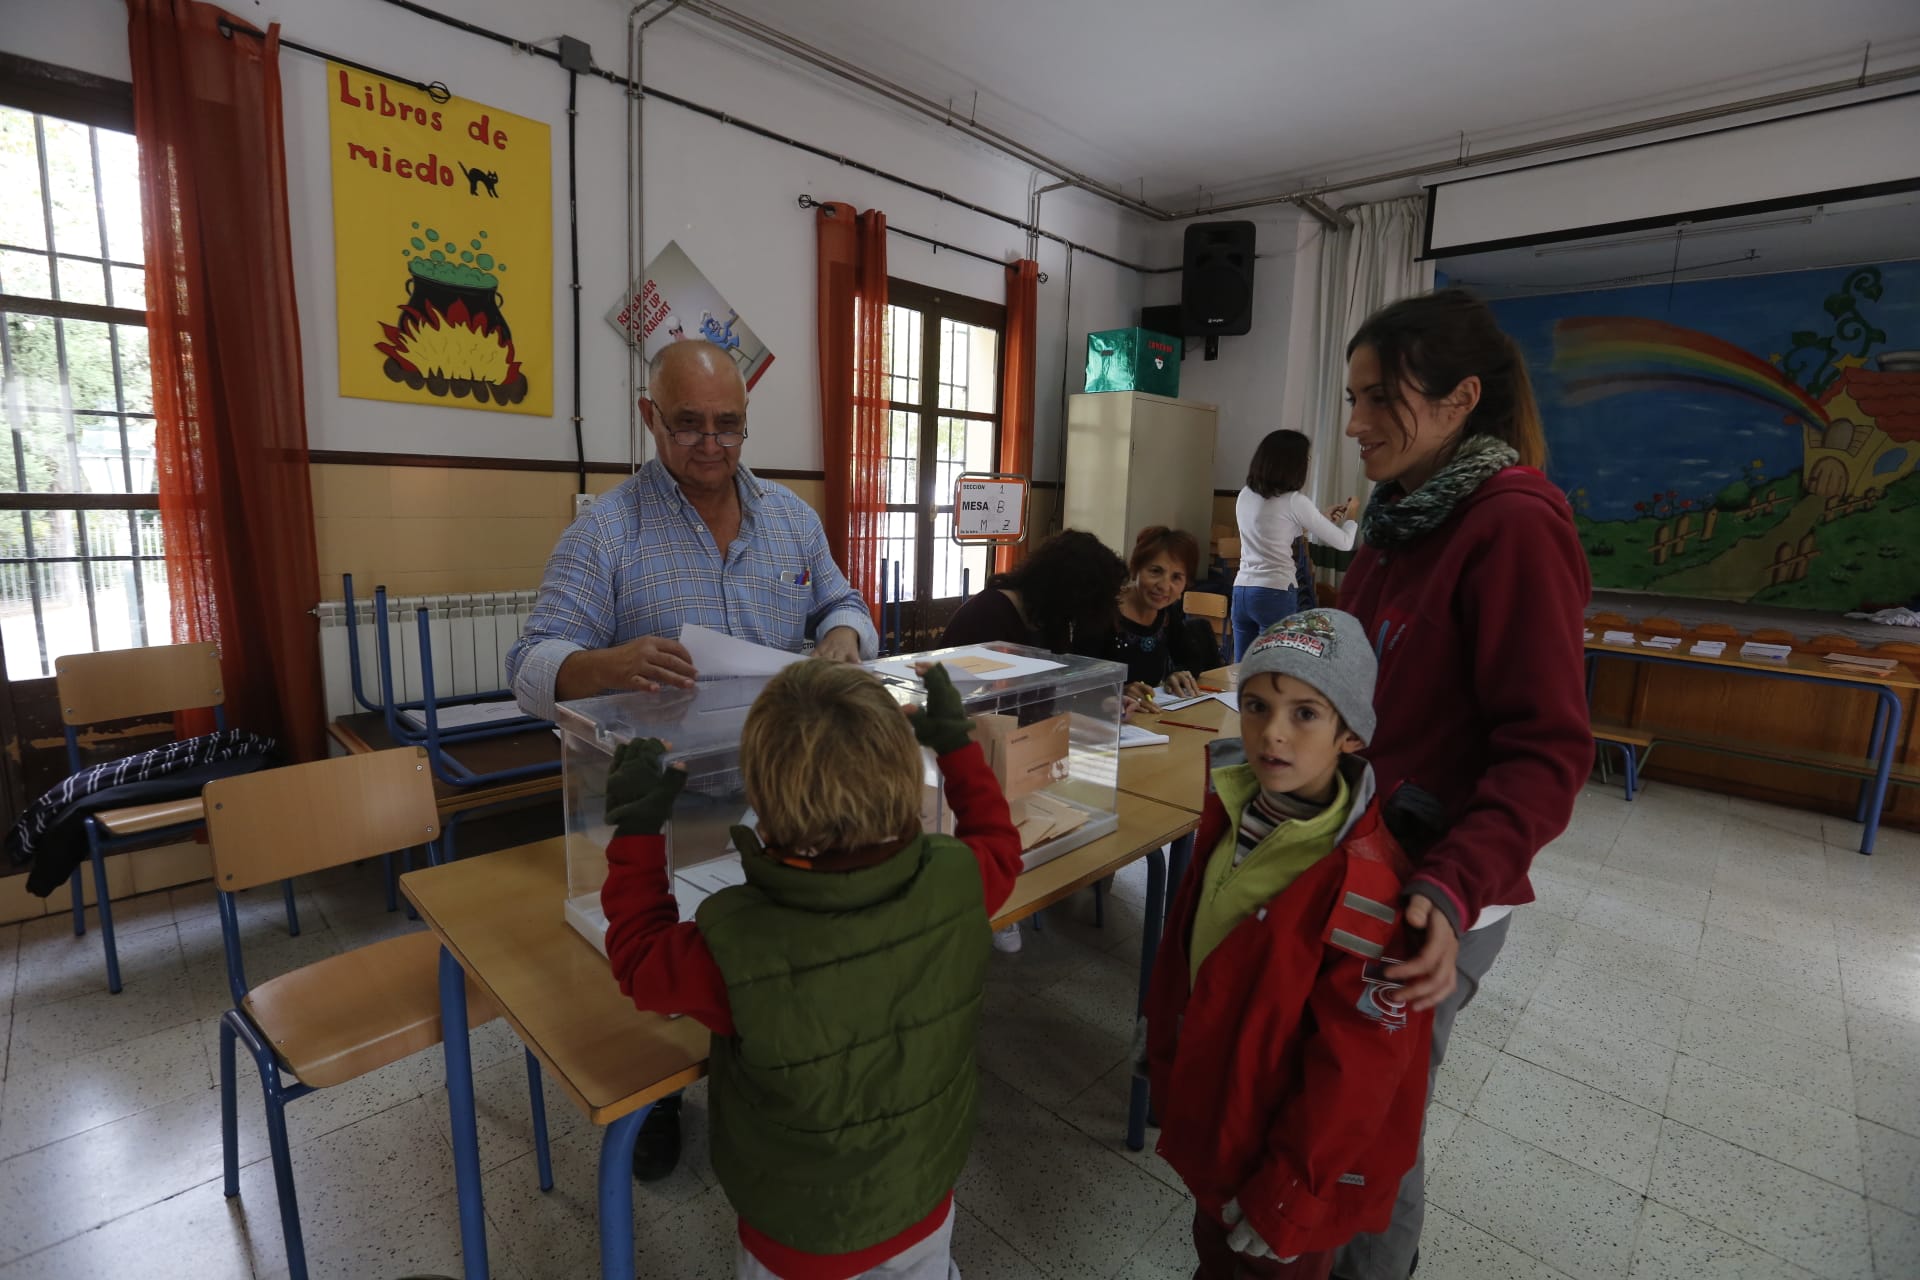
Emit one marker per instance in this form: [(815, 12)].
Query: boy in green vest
[(842, 982)]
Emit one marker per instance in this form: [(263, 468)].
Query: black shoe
[(656, 1148)]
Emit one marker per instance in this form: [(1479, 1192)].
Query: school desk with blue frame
[(499, 920)]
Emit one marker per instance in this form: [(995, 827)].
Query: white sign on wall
[(990, 509)]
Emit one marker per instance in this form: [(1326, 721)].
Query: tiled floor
[(1699, 1056)]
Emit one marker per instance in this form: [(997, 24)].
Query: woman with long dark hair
[(1472, 584), (1060, 598)]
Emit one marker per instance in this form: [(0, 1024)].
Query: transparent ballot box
[(1049, 724), (701, 727), (1050, 727)]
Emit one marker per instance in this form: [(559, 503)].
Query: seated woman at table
[(1153, 634), (843, 982), (1060, 598)]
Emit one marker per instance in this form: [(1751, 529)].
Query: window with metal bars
[(942, 353), (81, 564)]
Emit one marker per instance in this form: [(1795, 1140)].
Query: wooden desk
[(498, 918), (1798, 663), (1882, 740), (1176, 774), (358, 734)]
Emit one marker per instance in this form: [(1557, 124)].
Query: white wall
[(724, 194), (1259, 380)]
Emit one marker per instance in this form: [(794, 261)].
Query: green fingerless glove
[(640, 794), (942, 724)]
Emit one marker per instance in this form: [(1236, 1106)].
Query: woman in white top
[(1272, 513)]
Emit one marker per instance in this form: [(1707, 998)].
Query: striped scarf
[(1395, 517), (1263, 817)]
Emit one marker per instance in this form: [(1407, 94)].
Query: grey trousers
[(1389, 1255), (931, 1259)]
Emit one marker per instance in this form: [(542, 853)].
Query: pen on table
[(1209, 688), (1181, 724)]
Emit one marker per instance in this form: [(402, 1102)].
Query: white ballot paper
[(716, 654)]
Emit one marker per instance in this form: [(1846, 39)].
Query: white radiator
[(469, 636)]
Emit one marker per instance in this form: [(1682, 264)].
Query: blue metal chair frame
[(235, 1025), (387, 703), (428, 705), (432, 737), (100, 843)]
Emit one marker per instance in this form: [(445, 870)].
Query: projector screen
[(1874, 145)]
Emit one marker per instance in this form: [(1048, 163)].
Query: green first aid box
[(1133, 360)]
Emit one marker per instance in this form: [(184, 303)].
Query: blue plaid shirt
[(640, 562)]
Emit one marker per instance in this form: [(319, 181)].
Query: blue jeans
[(1257, 608)]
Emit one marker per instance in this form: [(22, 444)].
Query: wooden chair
[(1717, 631), (1772, 635), (1208, 605), (118, 685), (338, 1018), (1833, 644), (1661, 627), (1598, 621)]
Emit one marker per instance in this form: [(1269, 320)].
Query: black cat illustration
[(476, 177)]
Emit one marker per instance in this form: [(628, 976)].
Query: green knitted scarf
[(1395, 517)]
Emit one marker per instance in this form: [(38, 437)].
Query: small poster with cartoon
[(443, 248), (676, 302)]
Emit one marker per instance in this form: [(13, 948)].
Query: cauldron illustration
[(479, 293)]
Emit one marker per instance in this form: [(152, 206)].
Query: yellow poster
[(443, 248)]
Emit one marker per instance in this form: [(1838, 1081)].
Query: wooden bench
[(1637, 742)]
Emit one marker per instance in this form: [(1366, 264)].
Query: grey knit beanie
[(1326, 650)]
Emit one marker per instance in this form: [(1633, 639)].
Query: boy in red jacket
[(1290, 1078), (842, 982)]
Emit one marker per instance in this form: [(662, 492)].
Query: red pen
[(1181, 724)]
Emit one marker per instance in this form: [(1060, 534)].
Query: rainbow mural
[(1752, 438), (1595, 357)]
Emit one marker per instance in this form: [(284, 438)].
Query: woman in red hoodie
[(1473, 586)]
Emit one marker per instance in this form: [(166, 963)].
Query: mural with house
[(1752, 438)]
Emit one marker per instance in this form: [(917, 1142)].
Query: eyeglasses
[(692, 439)]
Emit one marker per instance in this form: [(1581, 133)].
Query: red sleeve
[(1522, 602), (662, 965), (981, 821), (1360, 1050)]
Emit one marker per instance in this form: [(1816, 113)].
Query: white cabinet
[(1135, 460)]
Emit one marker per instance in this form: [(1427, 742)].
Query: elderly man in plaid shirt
[(692, 537)]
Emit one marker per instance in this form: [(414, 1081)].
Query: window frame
[(925, 615), (44, 90)]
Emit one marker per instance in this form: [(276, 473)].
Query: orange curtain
[(236, 509), (853, 388), (1016, 388)]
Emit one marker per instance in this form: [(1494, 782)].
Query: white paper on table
[(1168, 703), (716, 653), (1618, 637), (1132, 735), (973, 662), (466, 714)]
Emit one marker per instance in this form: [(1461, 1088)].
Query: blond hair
[(829, 760)]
